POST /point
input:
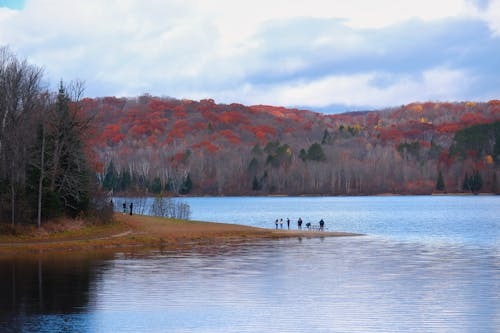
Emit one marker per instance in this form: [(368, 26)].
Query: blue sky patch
[(12, 4)]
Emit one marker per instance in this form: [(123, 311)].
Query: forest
[(65, 155), (161, 145), (45, 171)]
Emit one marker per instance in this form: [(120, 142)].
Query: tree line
[(44, 169), (164, 145)]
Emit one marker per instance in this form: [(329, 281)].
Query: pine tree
[(315, 152), (124, 181), (327, 138), (110, 180), (253, 166), (303, 154), (494, 185), (70, 175), (186, 185), (476, 182), (440, 182), (466, 183), (156, 186), (255, 184)]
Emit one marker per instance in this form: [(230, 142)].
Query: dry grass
[(137, 231)]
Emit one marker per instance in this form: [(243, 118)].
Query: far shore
[(309, 195), (140, 231)]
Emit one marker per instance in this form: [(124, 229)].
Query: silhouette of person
[(321, 224), (281, 223), (124, 207), (276, 222), (131, 208), (299, 223), (288, 223)]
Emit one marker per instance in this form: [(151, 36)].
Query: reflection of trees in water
[(46, 286)]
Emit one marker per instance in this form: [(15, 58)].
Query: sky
[(323, 55)]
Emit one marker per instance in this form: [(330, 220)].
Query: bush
[(100, 207), (167, 207)]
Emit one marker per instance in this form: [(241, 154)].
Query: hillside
[(181, 146)]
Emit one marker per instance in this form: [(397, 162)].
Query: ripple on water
[(362, 284)]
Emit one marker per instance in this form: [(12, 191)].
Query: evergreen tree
[(253, 166), (315, 153), (256, 150), (110, 180), (494, 185), (473, 183), (186, 185), (303, 154), (255, 184), (124, 180), (466, 183), (69, 174), (156, 186), (440, 182), (327, 138), (476, 182)]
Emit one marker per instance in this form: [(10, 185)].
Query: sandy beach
[(146, 231)]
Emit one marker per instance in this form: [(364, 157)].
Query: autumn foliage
[(223, 146)]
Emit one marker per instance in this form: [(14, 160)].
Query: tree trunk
[(40, 181), (12, 200)]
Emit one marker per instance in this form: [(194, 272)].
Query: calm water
[(427, 264)]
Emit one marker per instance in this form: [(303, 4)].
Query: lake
[(425, 264)]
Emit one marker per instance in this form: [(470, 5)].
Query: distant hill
[(151, 144)]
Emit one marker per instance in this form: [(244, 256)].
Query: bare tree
[(19, 92), (170, 208), (45, 103)]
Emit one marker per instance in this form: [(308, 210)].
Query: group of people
[(279, 224), (125, 208)]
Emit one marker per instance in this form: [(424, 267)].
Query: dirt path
[(61, 241)]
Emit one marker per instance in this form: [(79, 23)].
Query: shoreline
[(310, 195), (148, 232)]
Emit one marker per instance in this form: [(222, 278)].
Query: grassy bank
[(138, 231)]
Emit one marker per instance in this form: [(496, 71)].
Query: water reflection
[(44, 285), (365, 284)]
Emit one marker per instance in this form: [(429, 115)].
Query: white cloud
[(199, 48), (358, 89), (491, 14)]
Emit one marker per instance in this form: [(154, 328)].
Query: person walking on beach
[(321, 224), (131, 208), (124, 208), (288, 223), (299, 223), (281, 223), (276, 222)]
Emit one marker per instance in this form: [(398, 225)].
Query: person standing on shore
[(321, 225), (281, 223), (276, 222), (131, 208), (288, 223), (299, 223), (124, 208)]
